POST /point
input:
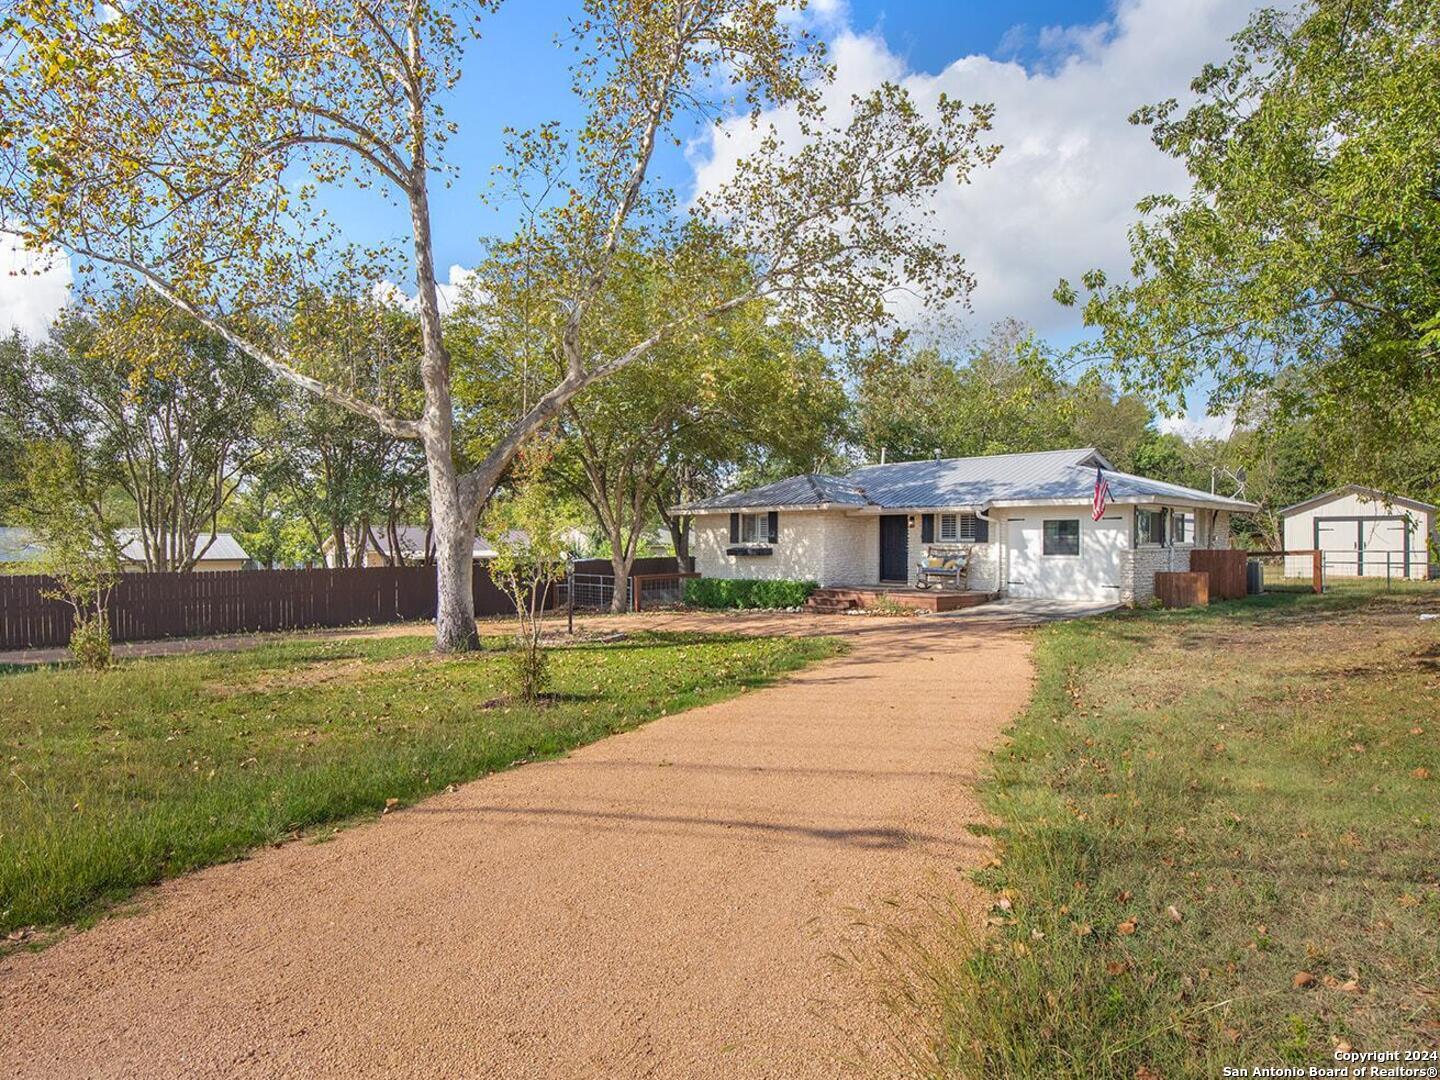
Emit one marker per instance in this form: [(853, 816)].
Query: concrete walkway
[(670, 902)]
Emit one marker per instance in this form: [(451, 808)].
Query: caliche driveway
[(692, 899)]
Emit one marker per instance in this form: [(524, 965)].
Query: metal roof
[(416, 541), (16, 545), (973, 482), (225, 547), (808, 489), (1372, 494)]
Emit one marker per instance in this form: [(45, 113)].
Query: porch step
[(832, 601), (836, 600)]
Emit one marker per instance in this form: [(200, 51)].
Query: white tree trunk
[(454, 528)]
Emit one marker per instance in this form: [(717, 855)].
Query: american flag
[(1102, 496)]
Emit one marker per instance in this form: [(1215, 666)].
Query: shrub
[(722, 593), (90, 641)]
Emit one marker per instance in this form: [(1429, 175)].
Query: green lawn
[(117, 780), (1219, 845)]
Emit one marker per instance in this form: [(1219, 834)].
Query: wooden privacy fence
[(1180, 589), (1226, 567), (146, 606)]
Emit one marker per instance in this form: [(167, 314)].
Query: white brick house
[(1026, 519)]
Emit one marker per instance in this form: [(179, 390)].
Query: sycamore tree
[(1299, 277), (708, 398), (190, 144)]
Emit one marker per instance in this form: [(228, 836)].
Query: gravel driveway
[(670, 902)]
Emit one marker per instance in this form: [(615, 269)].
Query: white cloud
[(1061, 196), (448, 292), (1191, 428), (33, 289)]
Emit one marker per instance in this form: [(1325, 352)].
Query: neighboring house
[(17, 546), (1363, 532), (225, 553), (415, 543), (1025, 517)]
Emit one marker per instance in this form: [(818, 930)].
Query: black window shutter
[(982, 530), (773, 526), (734, 528), (927, 528)]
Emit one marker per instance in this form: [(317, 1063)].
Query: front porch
[(837, 599)]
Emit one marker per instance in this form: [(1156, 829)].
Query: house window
[(1149, 526), (957, 527), (754, 528), (1062, 537), (1182, 527)]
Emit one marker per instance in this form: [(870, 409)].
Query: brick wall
[(813, 545), (1140, 565)]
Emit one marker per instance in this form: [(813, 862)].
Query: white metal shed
[(1363, 532)]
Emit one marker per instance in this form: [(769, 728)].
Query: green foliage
[(154, 407), (61, 509), (1278, 800), (1306, 248), (200, 758), (90, 641), (1005, 395), (723, 593), (527, 527)]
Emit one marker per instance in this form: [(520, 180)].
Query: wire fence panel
[(1285, 573), (1376, 566)]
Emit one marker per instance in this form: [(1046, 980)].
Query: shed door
[(1092, 573), (1339, 538), (1382, 547)]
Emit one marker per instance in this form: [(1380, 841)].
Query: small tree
[(79, 550), (530, 557)]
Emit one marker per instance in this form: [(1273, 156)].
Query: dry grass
[(1220, 846)]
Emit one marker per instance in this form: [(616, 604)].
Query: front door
[(894, 547)]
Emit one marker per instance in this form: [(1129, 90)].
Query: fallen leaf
[(1083, 929), (1302, 980), (1233, 1034), (1343, 1047), (1123, 896), (1004, 903), (1116, 967), (1144, 1072), (1174, 914), (1349, 986), (390, 804), (1127, 927), (1421, 773)]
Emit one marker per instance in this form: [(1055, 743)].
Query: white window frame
[(1159, 512), (1187, 537), (957, 528), (754, 528)]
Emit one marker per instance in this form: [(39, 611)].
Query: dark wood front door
[(894, 544)]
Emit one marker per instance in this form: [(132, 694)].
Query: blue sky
[(1063, 78), (515, 76)]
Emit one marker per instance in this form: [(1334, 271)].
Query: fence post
[(1319, 561)]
